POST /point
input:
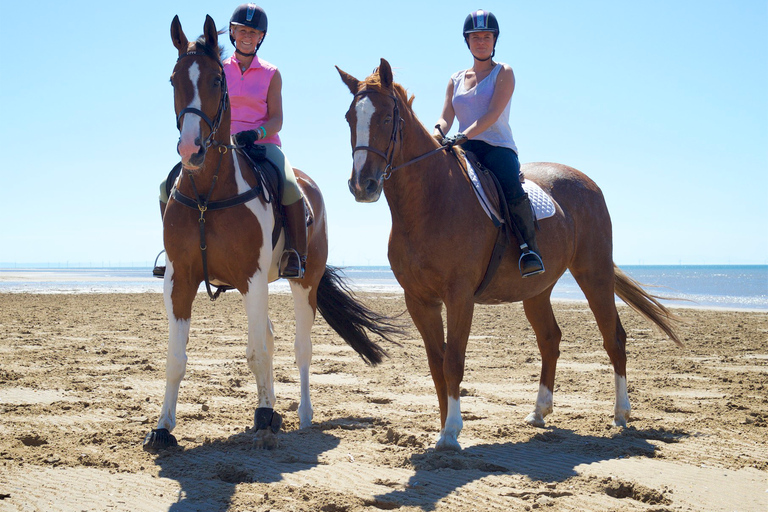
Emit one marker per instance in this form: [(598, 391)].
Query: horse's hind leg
[(305, 315), (538, 311), (598, 287), (260, 353), (178, 304)]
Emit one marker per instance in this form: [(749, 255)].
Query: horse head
[(200, 93), (375, 125)]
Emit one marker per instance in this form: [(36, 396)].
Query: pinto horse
[(442, 241), (232, 245)]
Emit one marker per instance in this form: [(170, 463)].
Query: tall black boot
[(294, 257), (521, 214)]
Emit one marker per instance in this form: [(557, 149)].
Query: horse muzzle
[(192, 155), (366, 190)]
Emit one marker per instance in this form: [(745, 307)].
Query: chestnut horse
[(232, 245), (442, 240)]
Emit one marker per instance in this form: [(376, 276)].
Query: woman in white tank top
[(480, 97)]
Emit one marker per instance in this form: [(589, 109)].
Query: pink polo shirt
[(248, 95)]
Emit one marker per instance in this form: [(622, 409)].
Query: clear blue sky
[(662, 103)]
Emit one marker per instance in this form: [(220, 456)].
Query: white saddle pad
[(542, 203)]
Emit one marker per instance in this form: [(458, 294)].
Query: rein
[(389, 154)]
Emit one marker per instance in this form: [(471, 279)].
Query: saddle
[(269, 179), (491, 198)]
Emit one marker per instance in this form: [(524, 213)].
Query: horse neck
[(416, 189)]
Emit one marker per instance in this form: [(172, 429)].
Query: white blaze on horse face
[(364, 111), (190, 131)]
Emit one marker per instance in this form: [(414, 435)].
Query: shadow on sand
[(551, 456)]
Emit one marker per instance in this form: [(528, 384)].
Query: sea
[(735, 287)]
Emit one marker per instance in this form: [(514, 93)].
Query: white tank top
[(470, 105)]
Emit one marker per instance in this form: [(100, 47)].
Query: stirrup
[(159, 271), (530, 261), (285, 259)]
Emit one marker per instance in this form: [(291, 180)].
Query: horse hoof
[(265, 440), (447, 444), (620, 422), (267, 424), (536, 420), (159, 439)]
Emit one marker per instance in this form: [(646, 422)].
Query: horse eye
[(217, 81), (387, 119)]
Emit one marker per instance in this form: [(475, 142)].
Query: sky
[(664, 104)]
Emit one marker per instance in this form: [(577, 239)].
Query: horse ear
[(385, 74), (352, 82), (177, 35), (211, 34)]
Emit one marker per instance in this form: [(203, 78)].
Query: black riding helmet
[(481, 21), (249, 15)]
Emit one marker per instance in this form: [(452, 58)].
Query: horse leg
[(305, 316), (259, 353), (599, 291), (429, 321), (178, 304), (459, 322), (538, 311)]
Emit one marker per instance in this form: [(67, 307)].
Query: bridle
[(213, 125), (397, 130)]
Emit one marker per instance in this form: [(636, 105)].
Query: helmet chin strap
[(245, 54)]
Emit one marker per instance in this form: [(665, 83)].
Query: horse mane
[(213, 52), (374, 81)]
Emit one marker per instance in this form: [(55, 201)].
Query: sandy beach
[(82, 380)]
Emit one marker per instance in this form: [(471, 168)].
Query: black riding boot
[(294, 257), (521, 214)]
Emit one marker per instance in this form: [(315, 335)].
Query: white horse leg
[(303, 348), (453, 424), (260, 354), (176, 362), (622, 408), (175, 368), (542, 409)]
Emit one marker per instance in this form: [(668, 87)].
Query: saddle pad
[(542, 203)]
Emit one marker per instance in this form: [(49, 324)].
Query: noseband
[(397, 128), (213, 125)]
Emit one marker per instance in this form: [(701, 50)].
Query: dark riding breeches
[(502, 162)]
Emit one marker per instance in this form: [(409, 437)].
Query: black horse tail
[(353, 320), (631, 292)]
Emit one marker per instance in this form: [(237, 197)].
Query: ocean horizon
[(742, 287)]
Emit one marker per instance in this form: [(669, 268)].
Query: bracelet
[(262, 132)]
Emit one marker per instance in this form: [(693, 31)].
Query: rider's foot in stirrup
[(291, 265), (530, 264)]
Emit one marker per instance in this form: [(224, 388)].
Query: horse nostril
[(371, 186), (351, 187), (197, 141)]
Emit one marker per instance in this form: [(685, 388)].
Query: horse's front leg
[(305, 316), (459, 322), (259, 353), (178, 304), (429, 321)]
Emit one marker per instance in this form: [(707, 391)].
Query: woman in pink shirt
[(255, 95)]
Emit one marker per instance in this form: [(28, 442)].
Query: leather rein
[(204, 204), (397, 128)]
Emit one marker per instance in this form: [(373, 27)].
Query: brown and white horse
[(232, 245), (441, 243)]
